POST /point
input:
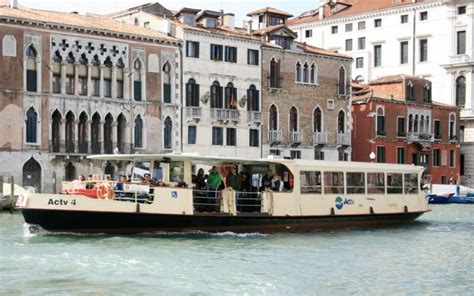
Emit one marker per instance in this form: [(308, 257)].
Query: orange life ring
[(105, 191)]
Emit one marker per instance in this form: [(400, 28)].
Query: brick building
[(306, 93), (73, 85), (395, 119)]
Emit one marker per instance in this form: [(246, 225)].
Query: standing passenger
[(214, 181)]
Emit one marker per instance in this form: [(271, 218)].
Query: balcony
[(295, 137), (320, 138), (343, 139), (232, 115), (453, 139), (274, 136), (415, 137), (218, 114), (460, 59), (74, 147), (254, 117), (194, 113)]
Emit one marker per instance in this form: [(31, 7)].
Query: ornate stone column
[(63, 77), (114, 82), (89, 79), (101, 83)]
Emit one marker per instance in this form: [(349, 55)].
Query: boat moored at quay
[(162, 194)]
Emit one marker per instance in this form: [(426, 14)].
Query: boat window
[(411, 183), (176, 170), (355, 183), (334, 182), (158, 173), (139, 170), (310, 182), (394, 184), (376, 183)]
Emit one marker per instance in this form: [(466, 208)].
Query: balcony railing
[(81, 147), (232, 115), (255, 117), (218, 114), (417, 137), (274, 136), (295, 137), (320, 138), (461, 58), (194, 112), (343, 139)]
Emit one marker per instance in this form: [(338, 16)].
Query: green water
[(432, 256)]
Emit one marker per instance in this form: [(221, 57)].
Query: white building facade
[(221, 80), (433, 39)]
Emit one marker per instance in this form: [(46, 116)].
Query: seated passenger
[(120, 187), (277, 183), (90, 184), (147, 180), (180, 183)]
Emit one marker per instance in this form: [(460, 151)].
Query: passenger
[(161, 184), (277, 183), (147, 180), (201, 180), (90, 184), (214, 181), (267, 180), (82, 178), (180, 183), (244, 182), (233, 180), (120, 187)]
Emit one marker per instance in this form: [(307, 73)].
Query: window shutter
[(137, 90), (31, 79)]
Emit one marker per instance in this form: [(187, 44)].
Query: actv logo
[(340, 202)]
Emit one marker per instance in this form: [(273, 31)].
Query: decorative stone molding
[(9, 46)]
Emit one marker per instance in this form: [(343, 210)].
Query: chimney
[(321, 11), (228, 21), (249, 27), (14, 3)]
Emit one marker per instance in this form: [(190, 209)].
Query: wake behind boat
[(269, 195)]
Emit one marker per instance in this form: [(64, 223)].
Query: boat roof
[(293, 162)]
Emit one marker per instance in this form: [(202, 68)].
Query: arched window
[(70, 74), (298, 72), (275, 74), (70, 173), (167, 83), (273, 118), (313, 75), (137, 80), (121, 130), (410, 91), (56, 131), (415, 124), (305, 73), (31, 126), (427, 125), (341, 122), (216, 95), (70, 132), (95, 76), (427, 93), (82, 75), (452, 127), (107, 78), (95, 133), (32, 174), (168, 130), (57, 60), (341, 89), (108, 141), (120, 77), (461, 91), (422, 124), (293, 119), (317, 120), (138, 131), (410, 123), (31, 71), (192, 93), (253, 99), (380, 122), (230, 97), (82, 130)]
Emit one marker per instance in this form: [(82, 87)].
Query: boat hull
[(115, 222)]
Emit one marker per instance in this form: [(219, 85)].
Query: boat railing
[(207, 200), (249, 202)]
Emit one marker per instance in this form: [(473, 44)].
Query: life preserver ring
[(105, 191)]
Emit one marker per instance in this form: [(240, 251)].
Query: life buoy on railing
[(105, 191)]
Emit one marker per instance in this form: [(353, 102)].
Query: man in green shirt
[(214, 181)]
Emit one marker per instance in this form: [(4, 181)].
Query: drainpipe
[(414, 42), (181, 74)]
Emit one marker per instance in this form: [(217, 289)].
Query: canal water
[(434, 256)]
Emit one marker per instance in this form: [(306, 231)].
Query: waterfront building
[(221, 78), (433, 39), (396, 121), (306, 93), (73, 85)]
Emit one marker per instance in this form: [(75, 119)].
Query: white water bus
[(314, 195)]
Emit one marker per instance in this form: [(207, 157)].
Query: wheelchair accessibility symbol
[(174, 194)]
